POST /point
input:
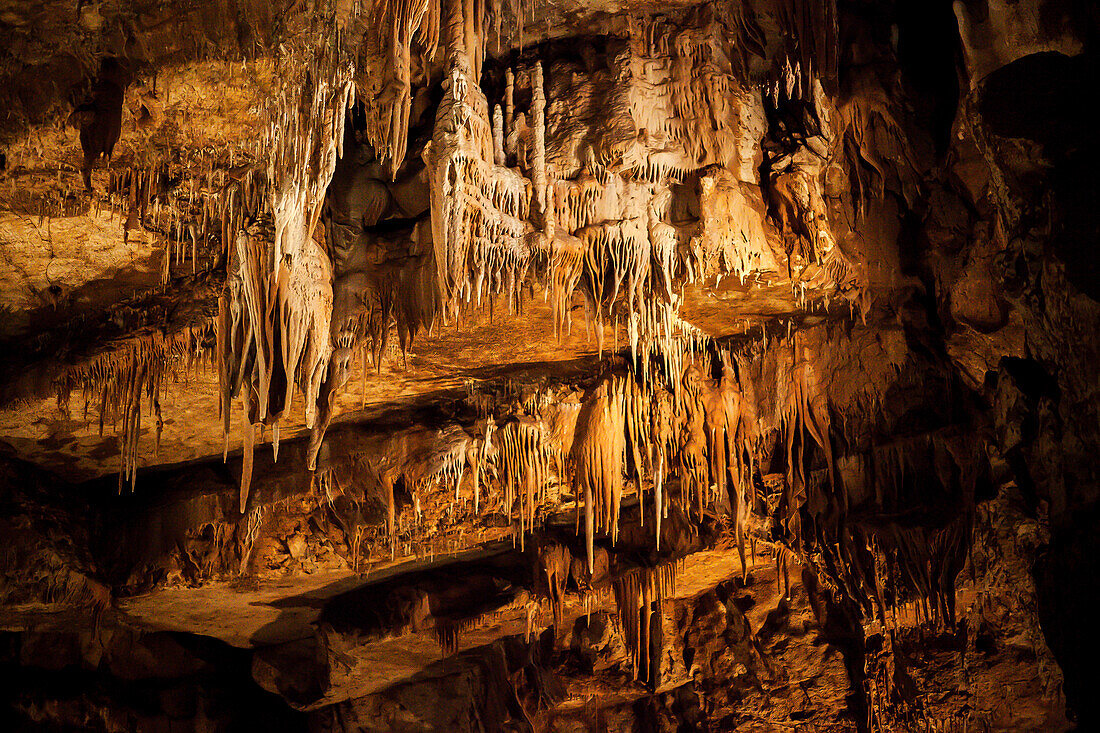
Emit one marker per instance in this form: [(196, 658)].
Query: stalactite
[(274, 331), (525, 459), (121, 380), (636, 592), (598, 456), (385, 70), (478, 209)]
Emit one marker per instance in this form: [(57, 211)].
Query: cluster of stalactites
[(449, 635), (658, 335), (596, 241), (613, 213), (810, 30), (700, 429), (528, 464), (520, 455), (273, 324), (888, 569), (805, 416), (681, 94), (392, 28), (564, 258), (517, 459), (899, 573), (633, 262), (598, 455), (629, 435), (617, 258), (684, 105), (212, 209), (638, 597), (714, 436), (480, 209), (448, 462), (301, 142), (119, 382), (601, 232), (731, 237), (922, 564), (628, 262)]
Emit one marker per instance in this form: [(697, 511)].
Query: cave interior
[(517, 365)]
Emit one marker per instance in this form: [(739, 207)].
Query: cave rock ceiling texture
[(516, 365)]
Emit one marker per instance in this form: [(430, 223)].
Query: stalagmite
[(478, 208), (538, 123), (498, 136), (509, 108)]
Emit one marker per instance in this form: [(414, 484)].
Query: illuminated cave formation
[(720, 366)]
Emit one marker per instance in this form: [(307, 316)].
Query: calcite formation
[(720, 366)]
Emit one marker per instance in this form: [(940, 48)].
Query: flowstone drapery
[(274, 318)]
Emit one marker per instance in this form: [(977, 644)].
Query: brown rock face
[(438, 365)]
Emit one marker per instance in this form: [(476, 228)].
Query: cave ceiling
[(495, 318)]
